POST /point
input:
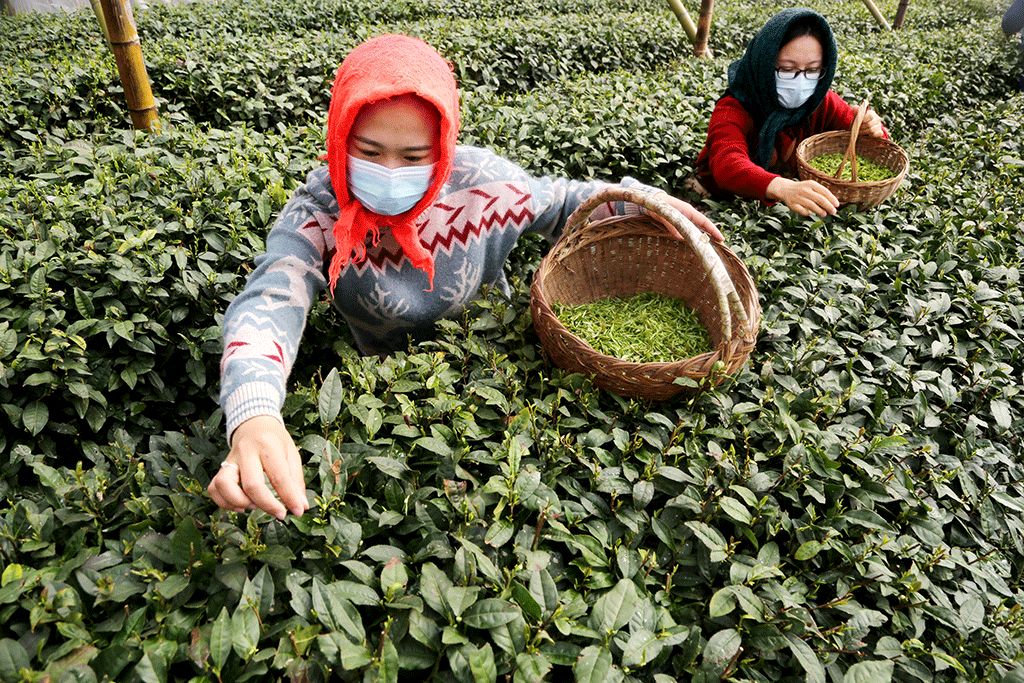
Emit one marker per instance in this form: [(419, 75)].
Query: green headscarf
[(752, 78)]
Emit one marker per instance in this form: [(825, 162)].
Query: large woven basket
[(659, 251), (865, 194)]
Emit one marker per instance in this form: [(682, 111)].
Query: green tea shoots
[(867, 170), (643, 328)]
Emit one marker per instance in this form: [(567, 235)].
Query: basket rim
[(805, 164)]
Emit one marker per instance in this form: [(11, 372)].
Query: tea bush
[(848, 507)]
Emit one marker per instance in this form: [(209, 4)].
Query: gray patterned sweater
[(472, 227)]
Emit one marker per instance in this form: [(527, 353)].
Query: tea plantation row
[(848, 507)]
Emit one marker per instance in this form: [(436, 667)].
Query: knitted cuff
[(250, 400), (629, 208)]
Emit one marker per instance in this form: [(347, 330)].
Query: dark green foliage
[(847, 508)]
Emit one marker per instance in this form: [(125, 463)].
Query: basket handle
[(679, 227), (851, 148)]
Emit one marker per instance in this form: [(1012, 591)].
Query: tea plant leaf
[(721, 648), (1001, 413), (807, 550), (481, 664), (807, 658), (531, 668), (13, 658), (711, 539), (614, 609), (594, 665), (460, 598), (735, 509), (35, 416), (329, 401), (338, 648), (434, 586), (221, 640), (877, 671), (245, 632), (490, 613), (722, 602), (526, 601), (336, 612), (389, 665), (641, 648), (544, 591), (972, 614)]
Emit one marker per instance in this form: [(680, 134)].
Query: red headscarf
[(380, 69)]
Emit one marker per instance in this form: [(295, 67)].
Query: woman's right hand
[(261, 449), (805, 197)]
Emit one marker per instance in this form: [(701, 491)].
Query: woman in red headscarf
[(402, 227)]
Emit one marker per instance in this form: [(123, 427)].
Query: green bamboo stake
[(873, 8), (97, 9)]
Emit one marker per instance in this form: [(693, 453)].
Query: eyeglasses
[(791, 74)]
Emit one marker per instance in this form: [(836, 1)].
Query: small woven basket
[(865, 194), (659, 251)]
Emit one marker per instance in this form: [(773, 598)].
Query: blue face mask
[(793, 93), (387, 191)]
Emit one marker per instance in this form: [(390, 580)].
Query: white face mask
[(387, 191), (793, 93)]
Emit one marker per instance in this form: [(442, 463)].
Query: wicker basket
[(658, 251), (865, 194)]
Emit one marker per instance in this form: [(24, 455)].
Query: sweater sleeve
[(1013, 19), (264, 323), (556, 198), (729, 158)]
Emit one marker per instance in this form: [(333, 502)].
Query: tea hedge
[(848, 507)]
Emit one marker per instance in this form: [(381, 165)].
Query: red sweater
[(725, 165)]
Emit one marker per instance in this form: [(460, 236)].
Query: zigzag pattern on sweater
[(519, 215)]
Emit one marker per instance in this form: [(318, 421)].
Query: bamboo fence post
[(686, 20), (700, 45), (877, 14), (124, 41), (901, 13)]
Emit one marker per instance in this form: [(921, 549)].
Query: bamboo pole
[(124, 41), (877, 14), (700, 45), (901, 13), (684, 18), (687, 21), (97, 9)]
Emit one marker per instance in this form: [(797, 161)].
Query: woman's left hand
[(696, 217), (872, 124)]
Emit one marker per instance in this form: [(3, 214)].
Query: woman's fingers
[(284, 470), (261, 450), (255, 487), (704, 223), (226, 491), (873, 124), (811, 197), (827, 193)]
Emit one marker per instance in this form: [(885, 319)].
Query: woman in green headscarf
[(779, 94)]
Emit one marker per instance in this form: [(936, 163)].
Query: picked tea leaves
[(644, 328), (867, 170)]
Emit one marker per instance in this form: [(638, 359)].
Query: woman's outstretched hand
[(804, 197), (261, 449)]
